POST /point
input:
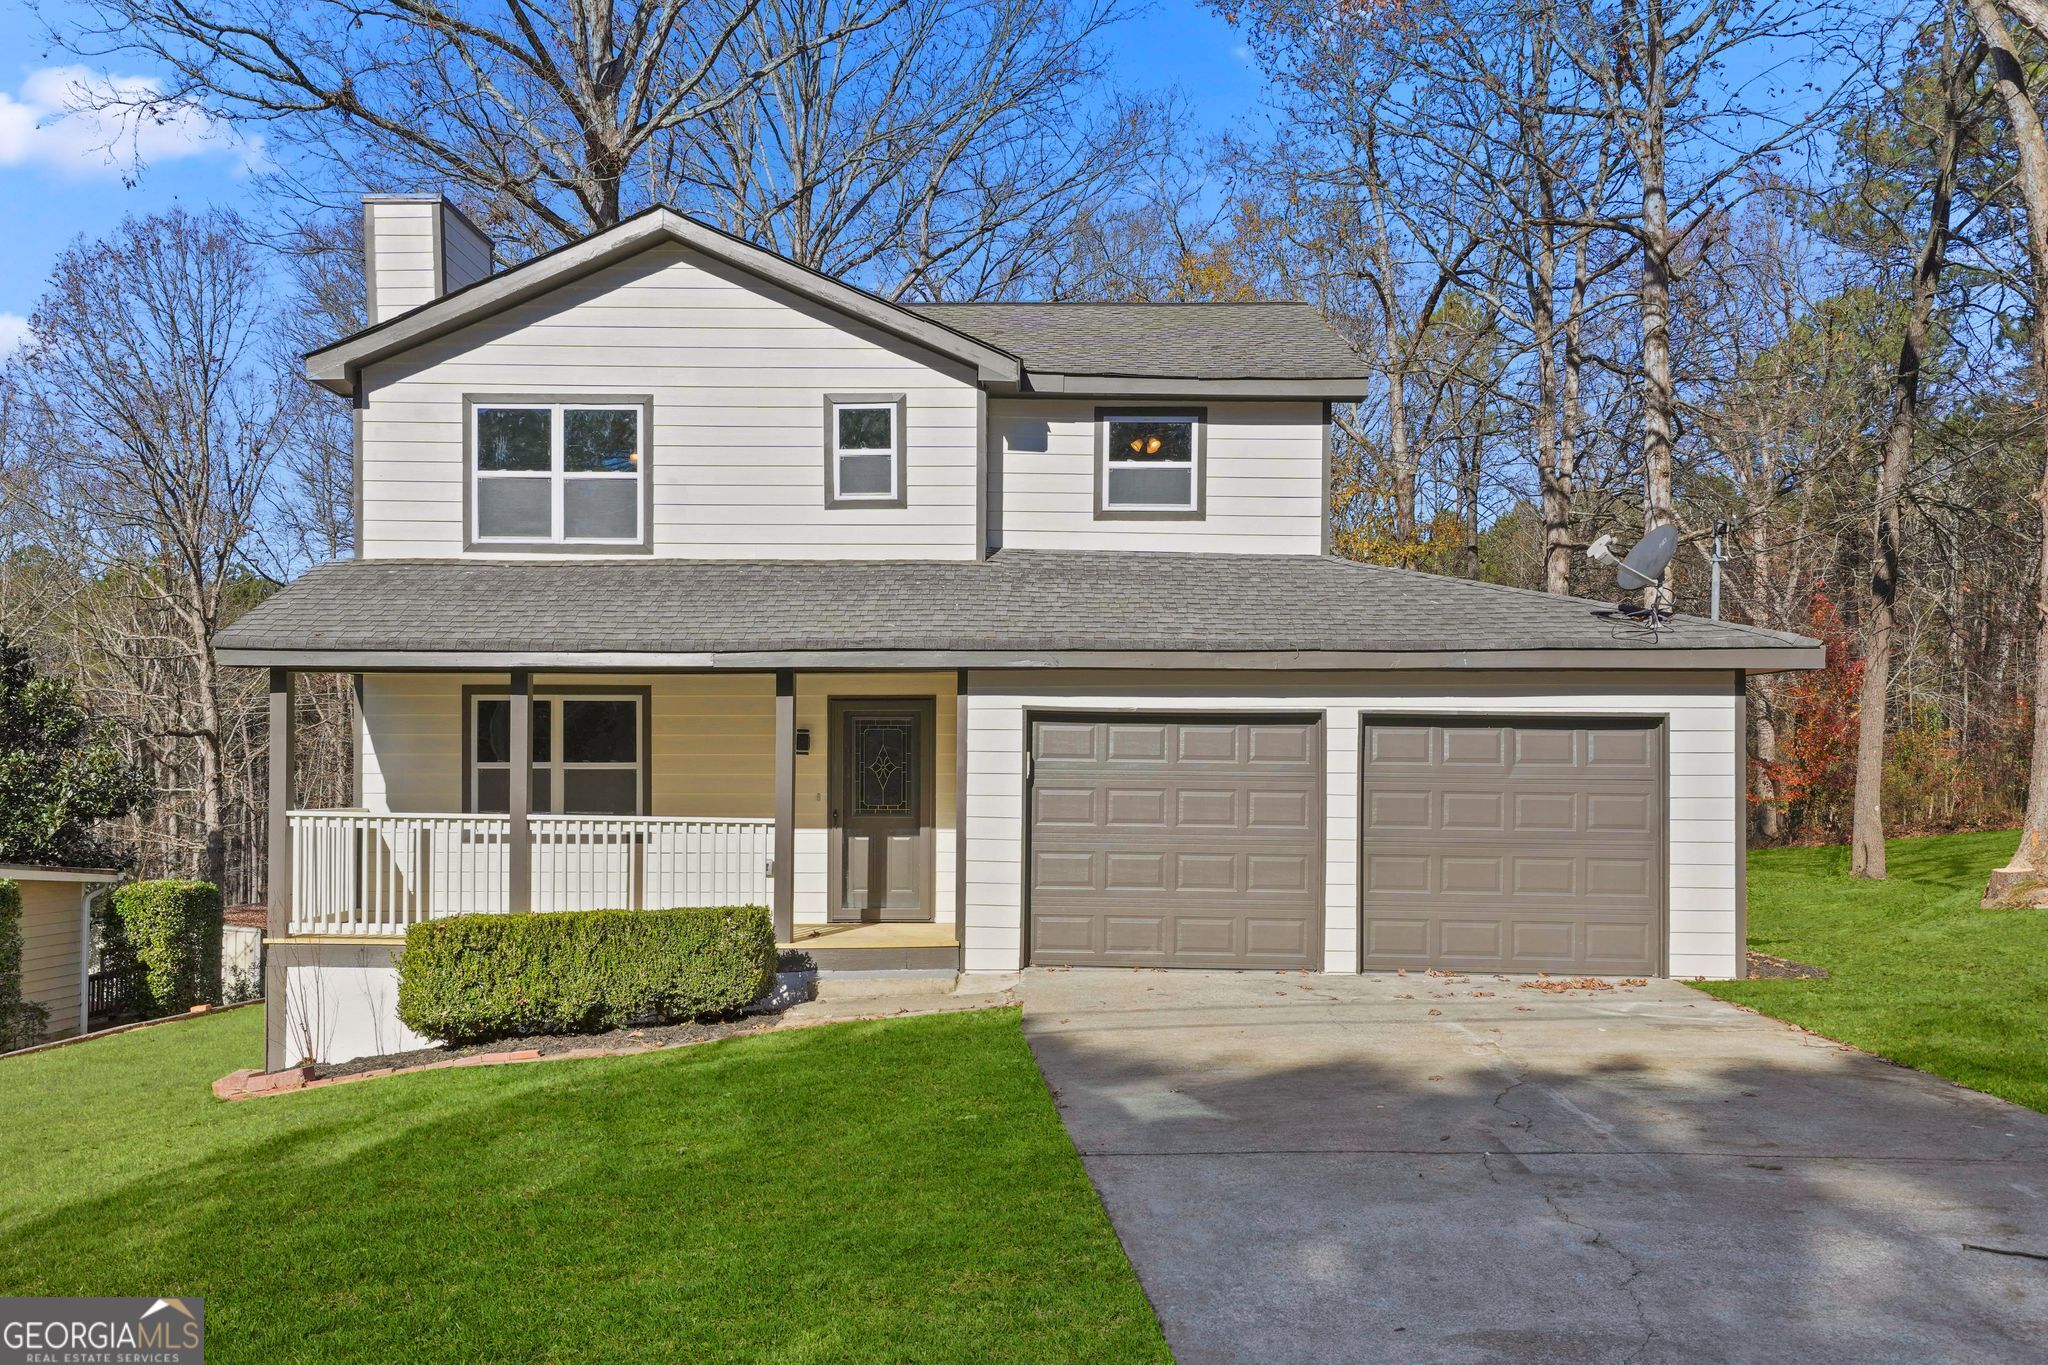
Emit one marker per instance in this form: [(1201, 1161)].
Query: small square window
[(864, 450), (1151, 465)]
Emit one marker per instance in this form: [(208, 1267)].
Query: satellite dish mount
[(1641, 571)]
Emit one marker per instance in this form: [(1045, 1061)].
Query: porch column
[(277, 876), (519, 794), (283, 756), (785, 805), (960, 722)]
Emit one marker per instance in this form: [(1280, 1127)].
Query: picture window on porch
[(558, 473), (587, 757)]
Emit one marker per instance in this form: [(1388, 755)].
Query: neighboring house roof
[(1279, 350), (1200, 341), (336, 366), (50, 872), (1017, 609)]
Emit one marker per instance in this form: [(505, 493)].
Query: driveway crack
[(1596, 1238)]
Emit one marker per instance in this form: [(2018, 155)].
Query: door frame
[(1657, 722), (926, 709), (1316, 718)]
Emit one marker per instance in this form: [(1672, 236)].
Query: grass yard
[(1918, 973), (899, 1190)]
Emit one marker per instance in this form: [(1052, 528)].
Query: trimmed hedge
[(21, 1021), (476, 977), (162, 941)]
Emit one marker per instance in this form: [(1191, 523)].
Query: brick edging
[(249, 1083)]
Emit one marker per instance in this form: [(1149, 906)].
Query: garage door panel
[(1062, 740), (1128, 807), (1146, 743), (1285, 745), (1390, 746), (1184, 843), (1512, 846)]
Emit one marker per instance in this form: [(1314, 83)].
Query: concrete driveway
[(1413, 1169)]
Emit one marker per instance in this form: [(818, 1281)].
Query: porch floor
[(837, 936)]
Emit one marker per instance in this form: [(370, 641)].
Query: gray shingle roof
[(1160, 340), (1018, 601)]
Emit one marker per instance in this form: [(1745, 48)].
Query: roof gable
[(336, 366)]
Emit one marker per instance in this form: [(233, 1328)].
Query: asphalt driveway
[(1414, 1169)]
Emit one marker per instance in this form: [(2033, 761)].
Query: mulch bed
[(1764, 967), (644, 1038)]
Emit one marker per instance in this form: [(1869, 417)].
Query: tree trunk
[(2025, 878), (1866, 840)]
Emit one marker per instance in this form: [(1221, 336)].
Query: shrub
[(475, 977), (21, 1021), (162, 942)]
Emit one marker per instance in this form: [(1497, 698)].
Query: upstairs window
[(864, 450), (587, 754), (558, 473), (1151, 465)]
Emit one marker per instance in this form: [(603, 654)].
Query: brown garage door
[(1512, 845), (1190, 842)]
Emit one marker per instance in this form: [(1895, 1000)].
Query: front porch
[(475, 794)]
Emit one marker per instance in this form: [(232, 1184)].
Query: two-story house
[(967, 637)]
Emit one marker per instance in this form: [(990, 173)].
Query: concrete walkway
[(1419, 1170)]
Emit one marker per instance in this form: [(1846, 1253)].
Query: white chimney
[(417, 247)]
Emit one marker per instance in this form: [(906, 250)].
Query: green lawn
[(1918, 973), (877, 1191)]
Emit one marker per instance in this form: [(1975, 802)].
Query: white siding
[(1264, 480), (712, 752), (738, 372), (1699, 712), (341, 1003), (398, 240)]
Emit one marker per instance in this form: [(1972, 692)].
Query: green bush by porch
[(161, 940), (476, 977)]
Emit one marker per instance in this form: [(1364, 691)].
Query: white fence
[(360, 874)]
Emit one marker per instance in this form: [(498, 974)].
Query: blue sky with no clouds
[(56, 184)]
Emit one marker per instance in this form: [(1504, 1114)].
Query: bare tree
[(940, 148), (148, 426), (1661, 73), (2027, 874), (1881, 620), (547, 109)]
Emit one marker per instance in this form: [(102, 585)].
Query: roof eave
[(1750, 659), (1341, 389), (337, 366)]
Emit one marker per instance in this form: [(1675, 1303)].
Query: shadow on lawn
[(1640, 1204), (723, 1204)]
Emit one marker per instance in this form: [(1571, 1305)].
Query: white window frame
[(894, 405), (1195, 422), (557, 474), (556, 765)]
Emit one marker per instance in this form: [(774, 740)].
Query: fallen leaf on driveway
[(1436, 1011)]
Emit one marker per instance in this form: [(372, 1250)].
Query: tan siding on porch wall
[(1264, 480), (738, 371), (52, 950), (713, 751), (1698, 709)]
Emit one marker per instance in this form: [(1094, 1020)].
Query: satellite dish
[(1645, 565), (1642, 569)]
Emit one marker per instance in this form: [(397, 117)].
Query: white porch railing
[(360, 874)]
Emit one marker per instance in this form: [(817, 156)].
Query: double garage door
[(1486, 844)]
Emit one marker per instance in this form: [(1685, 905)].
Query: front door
[(882, 811)]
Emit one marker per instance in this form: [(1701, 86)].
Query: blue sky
[(57, 184)]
